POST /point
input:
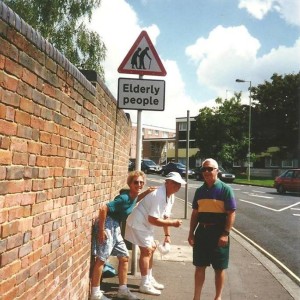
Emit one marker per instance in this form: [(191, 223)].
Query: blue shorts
[(114, 245), (206, 251)]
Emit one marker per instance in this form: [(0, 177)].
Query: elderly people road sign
[(142, 58), (141, 94)]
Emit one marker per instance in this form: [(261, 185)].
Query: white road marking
[(273, 209), (258, 196)]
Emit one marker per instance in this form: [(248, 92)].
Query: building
[(157, 142), (181, 149)]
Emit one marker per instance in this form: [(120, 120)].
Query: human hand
[(102, 236), (177, 223), (191, 239), (223, 241), (151, 189)]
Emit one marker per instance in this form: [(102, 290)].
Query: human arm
[(149, 190), (164, 222), (223, 240), (101, 222), (193, 224)]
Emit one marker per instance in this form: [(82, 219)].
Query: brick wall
[(64, 148)]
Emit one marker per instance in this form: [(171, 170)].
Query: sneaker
[(99, 296), (149, 289), (126, 294), (156, 285)]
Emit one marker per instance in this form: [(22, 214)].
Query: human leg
[(153, 281), (219, 283), (146, 259), (95, 282), (199, 281)]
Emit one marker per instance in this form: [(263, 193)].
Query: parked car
[(149, 166), (222, 175), (131, 165), (176, 167), (288, 181)]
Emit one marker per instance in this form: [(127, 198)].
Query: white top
[(155, 204)]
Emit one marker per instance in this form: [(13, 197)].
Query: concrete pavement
[(251, 275)]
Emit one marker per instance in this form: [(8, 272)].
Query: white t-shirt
[(155, 204)]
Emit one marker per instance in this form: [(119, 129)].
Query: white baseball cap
[(175, 177)]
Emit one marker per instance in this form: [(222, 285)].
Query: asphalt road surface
[(268, 219)]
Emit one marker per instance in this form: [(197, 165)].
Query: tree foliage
[(61, 22), (277, 122), (221, 131)]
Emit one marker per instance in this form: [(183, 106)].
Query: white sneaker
[(99, 296), (149, 289), (156, 285), (126, 294)]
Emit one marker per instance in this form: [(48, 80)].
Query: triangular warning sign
[(142, 58)]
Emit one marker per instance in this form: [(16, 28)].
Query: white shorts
[(139, 237)]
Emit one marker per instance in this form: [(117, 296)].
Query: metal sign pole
[(187, 163), (138, 168)]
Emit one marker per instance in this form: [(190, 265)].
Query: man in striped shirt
[(212, 218)]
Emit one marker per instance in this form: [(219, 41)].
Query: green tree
[(62, 23), (221, 131), (277, 122)]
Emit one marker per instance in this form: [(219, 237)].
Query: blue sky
[(204, 46)]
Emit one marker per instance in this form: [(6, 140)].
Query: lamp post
[(249, 127)]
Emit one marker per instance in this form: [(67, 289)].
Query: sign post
[(139, 94)]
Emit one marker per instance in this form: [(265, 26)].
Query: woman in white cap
[(153, 210)]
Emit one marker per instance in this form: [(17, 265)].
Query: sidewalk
[(250, 275)]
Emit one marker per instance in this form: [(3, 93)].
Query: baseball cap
[(175, 177)]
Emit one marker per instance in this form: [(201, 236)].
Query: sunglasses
[(209, 169), (138, 182)]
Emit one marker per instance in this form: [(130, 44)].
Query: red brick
[(15, 213), (9, 256), (29, 77), (20, 158), (2, 61), (14, 241), (11, 187), (34, 147), (5, 157), (13, 68), (8, 128), (23, 118), (5, 142), (19, 145), (10, 114), (11, 200), (28, 198), (25, 249), (7, 285), (8, 49), (10, 83), (10, 98), (27, 105)]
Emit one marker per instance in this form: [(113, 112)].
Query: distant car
[(288, 181), (176, 167), (222, 175), (130, 165), (149, 166)]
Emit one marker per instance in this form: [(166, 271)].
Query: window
[(182, 126), (288, 163)]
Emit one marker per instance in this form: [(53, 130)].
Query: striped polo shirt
[(213, 203)]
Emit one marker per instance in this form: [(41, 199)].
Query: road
[(267, 218)]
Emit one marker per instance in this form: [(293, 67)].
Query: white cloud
[(227, 52), (119, 28), (221, 57), (230, 53), (289, 10)]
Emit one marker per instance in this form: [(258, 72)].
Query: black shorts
[(206, 251)]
